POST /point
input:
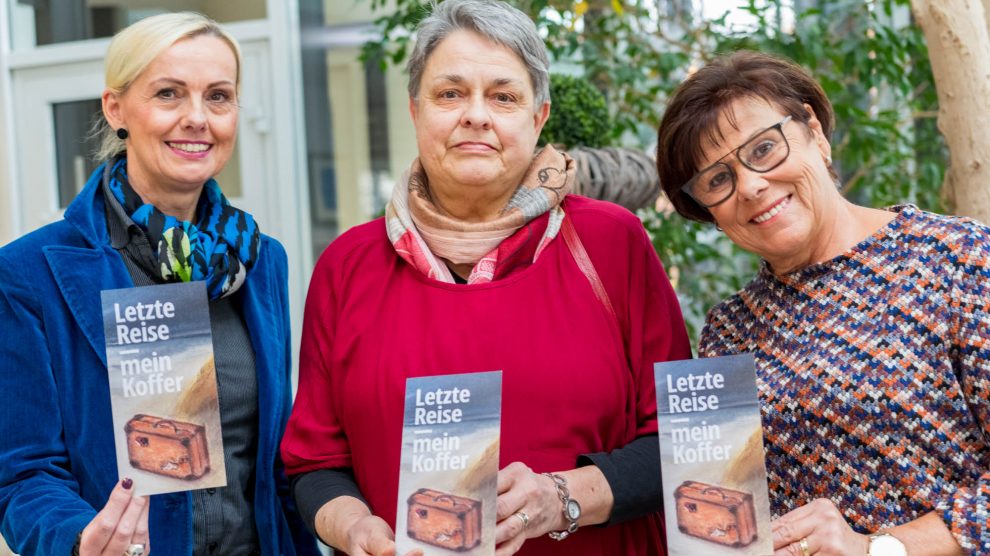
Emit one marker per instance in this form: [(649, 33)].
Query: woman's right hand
[(123, 521), (371, 536)]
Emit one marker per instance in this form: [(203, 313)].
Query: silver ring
[(522, 516), (134, 550)]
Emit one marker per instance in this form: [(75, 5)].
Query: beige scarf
[(422, 234)]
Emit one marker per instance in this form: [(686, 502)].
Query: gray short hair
[(494, 20)]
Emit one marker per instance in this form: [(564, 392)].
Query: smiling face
[(476, 123), (181, 117), (786, 215)]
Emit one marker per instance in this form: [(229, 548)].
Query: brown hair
[(692, 114)]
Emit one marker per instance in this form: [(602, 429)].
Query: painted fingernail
[(127, 484)]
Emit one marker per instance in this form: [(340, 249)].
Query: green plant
[(578, 116), (703, 265), (394, 27)]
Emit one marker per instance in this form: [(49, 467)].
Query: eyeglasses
[(762, 153)]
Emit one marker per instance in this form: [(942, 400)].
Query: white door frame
[(9, 195)]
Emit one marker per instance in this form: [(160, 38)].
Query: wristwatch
[(885, 544), (571, 509)]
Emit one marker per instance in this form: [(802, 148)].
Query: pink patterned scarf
[(424, 236)]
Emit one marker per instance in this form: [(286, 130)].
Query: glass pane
[(74, 148), (229, 178), (41, 22), (358, 132), (376, 103)]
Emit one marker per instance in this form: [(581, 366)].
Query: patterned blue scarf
[(220, 247)]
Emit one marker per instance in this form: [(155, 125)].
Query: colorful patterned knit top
[(873, 371)]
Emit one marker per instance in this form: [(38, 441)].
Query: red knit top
[(575, 381)]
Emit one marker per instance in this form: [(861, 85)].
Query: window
[(42, 22), (359, 135)]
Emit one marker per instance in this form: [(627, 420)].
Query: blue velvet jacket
[(57, 462)]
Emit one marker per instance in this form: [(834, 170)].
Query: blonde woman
[(170, 109)]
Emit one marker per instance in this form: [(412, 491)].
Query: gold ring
[(523, 517), (805, 551)]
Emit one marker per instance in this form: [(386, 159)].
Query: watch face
[(886, 545), (573, 510)]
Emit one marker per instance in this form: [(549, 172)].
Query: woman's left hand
[(822, 529), (527, 506)]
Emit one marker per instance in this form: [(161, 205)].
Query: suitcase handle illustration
[(166, 423), (717, 490)]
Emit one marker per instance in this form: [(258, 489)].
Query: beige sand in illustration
[(747, 465), (201, 395), (478, 477)]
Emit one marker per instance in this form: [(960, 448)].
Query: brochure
[(163, 387), (711, 455), (449, 465)]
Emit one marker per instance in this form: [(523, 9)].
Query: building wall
[(402, 134), (352, 157), (337, 12), (225, 10), (220, 10)]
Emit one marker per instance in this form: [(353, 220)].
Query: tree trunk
[(958, 43)]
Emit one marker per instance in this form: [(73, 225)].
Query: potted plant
[(579, 123)]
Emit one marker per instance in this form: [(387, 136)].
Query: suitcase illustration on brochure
[(715, 513), (167, 447), (444, 520)]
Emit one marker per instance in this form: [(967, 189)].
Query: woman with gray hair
[(485, 261)]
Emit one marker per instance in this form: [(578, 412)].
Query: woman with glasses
[(870, 328)]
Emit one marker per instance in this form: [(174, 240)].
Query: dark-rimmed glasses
[(763, 152)]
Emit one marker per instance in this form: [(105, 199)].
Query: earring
[(122, 134), (719, 228), (828, 160)]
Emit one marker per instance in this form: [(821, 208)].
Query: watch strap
[(560, 483), (885, 535)]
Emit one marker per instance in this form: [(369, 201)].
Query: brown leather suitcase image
[(715, 514), (444, 520), (167, 447)]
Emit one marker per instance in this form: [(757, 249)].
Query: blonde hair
[(134, 48)]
